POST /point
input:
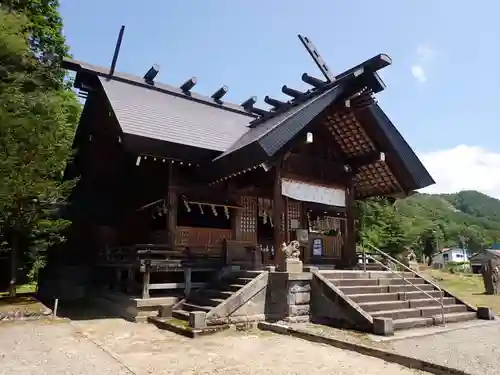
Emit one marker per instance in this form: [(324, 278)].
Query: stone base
[(198, 319), (292, 266), (383, 326), (485, 313)]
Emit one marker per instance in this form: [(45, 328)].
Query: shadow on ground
[(81, 309)]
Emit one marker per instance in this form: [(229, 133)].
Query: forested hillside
[(427, 221)]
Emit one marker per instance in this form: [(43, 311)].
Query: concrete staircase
[(384, 294), (209, 298), (183, 315)]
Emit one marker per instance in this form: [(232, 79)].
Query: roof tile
[(159, 115)]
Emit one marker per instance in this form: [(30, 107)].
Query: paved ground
[(56, 348), (113, 346), (475, 350)]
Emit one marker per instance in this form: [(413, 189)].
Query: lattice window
[(249, 214), (293, 213)]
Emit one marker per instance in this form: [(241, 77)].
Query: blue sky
[(442, 89)]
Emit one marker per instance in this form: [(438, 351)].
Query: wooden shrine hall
[(178, 178)]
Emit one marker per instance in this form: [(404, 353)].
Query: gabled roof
[(165, 114), (490, 253), (171, 118), (356, 133), (262, 142)]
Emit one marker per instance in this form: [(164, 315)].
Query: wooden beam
[(277, 211), (364, 159), (165, 286), (145, 282), (287, 220), (349, 258), (172, 200)]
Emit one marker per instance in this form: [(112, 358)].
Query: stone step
[(217, 293), (419, 312), (183, 328), (381, 281), (375, 297), (181, 315), (401, 304), (241, 280), (407, 323), (448, 309), (400, 324), (426, 302), (233, 287), (194, 307), (248, 274), (349, 290), (202, 300), (333, 274)]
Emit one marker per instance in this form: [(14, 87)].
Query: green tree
[(37, 121), (428, 243), (380, 224), (43, 27)]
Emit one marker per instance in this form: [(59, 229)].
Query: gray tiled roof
[(270, 125), (150, 113)]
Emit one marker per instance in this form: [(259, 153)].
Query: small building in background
[(479, 259), (450, 254)]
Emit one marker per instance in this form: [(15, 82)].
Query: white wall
[(454, 255)]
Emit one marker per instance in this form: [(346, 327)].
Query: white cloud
[(463, 168), (424, 55), (419, 73)]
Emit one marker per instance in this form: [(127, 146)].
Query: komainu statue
[(292, 251), (491, 276)]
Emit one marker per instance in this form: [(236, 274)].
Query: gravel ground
[(36, 348), (113, 346), (474, 350)]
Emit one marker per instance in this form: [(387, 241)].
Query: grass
[(22, 289), (23, 301), (466, 286)]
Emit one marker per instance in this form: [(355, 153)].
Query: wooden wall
[(201, 236)]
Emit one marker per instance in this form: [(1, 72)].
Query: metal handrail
[(440, 301), (403, 265)]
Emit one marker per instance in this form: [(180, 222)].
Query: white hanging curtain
[(305, 192)]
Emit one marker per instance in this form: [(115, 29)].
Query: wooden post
[(118, 279), (187, 281), (287, 221), (349, 256), (130, 279), (145, 281), (172, 207), (13, 266), (277, 211)]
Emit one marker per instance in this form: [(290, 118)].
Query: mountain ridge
[(467, 216)]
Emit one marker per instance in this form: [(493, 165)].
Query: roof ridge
[(164, 88)]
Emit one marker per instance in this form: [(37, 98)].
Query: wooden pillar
[(145, 281), (349, 257), (235, 214), (172, 200), (286, 221), (277, 215), (118, 279), (130, 279), (187, 281)]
